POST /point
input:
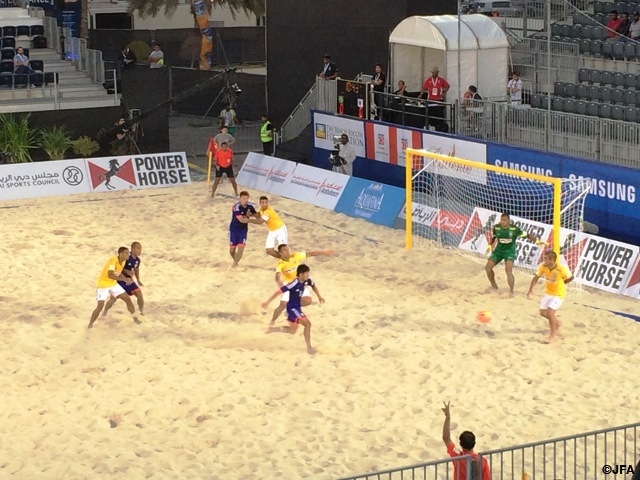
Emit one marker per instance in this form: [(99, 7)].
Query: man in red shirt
[(613, 25), (224, 164), (467, 442), (435, 87)]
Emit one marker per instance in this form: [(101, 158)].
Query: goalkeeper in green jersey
[(504, 236)]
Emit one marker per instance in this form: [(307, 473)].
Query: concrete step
[(47, 93), (42, 104)]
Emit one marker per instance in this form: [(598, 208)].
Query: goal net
[(455, 203)]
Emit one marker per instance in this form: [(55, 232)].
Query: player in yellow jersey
[(556, 277), (286, 272), (107, 285), (277, 229)]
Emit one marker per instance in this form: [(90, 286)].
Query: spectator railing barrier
[(52, 33), (531, 58), (600, 454), (295, 124), (437, 470)]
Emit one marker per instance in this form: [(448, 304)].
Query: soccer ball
[(484, 316)]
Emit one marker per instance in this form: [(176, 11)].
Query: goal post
[(455, 203)]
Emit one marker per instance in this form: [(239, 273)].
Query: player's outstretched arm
[(320, 253), (446, 427), (271, 298), (317, 292), (534, 280)]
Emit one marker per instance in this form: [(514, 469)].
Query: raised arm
[(446, 427), (275, 294), (319, 253)]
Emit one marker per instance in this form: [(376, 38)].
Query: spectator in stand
[(613, 26), (625, 24), (330, 69), (378, 81), (634, 27), (224, 137), (228, 118), (514, 88), (471, 100), (156, 58), (127, 58), (479, 466), (402, 88), (22, 65)]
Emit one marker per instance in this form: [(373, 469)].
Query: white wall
[(182, 18)]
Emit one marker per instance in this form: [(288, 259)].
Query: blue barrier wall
[(371, 201)]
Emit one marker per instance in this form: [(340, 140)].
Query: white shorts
[(104, 293), (550, 301), (285, 295), (277, 237)]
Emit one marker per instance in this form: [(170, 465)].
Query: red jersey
[(223, 157), (434, 88), (460, 471)]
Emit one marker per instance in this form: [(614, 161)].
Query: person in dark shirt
[(131, 271), (329, 70), (242, 213)]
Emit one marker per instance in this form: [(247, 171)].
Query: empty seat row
[(10, 42), (602, 110), (22, 31), (597, 94), (596, 32), (37, 79), (599, 48), (606, 7), (9, 53), (605, 77)]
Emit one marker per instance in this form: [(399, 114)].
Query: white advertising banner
[(43, 179), (420, 214), (632, 288), (265, 173), (477, 236), (606, 264), (389, 144), (320, 187), (138, 171), (454, 147), (327, 126)]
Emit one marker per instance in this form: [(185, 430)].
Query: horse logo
[(114, 166)]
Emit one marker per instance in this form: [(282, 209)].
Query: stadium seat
[(607, 49), (584, 75), (569, 90), (9, 31), (582, 91), (587, 31), (544, 102), (600, 7), (566, 31), (606, 78), (617, 112), (37, 30), (556, 29), (585, 45), (605, 94), (596, 48), (630, 51), (576, 31), (630, 114), (629, 80), (638, 98), (8, 42), (595, 77), (39, 42), (605, 110), (557, 104), (593, 93), (8, 54), (535, 101), (23, 31), (593, 109), (618, 79), (569, 105), (620, 7), (617, 95), (37, 65), (629, 97), (6, 66), (25, 51), (558, 89), (618, 50)]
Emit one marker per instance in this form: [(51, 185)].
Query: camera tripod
[(338, 169), (228, 92)]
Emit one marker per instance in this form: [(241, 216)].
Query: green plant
[(16, 137), (85, 146), (141, 49), (55, 141)]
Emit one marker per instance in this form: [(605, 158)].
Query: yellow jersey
[(271, 219), (554, 279), (113, 265), (288, 268)]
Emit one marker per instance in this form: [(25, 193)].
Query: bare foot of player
[(311, 351), (90, 325), (235, 265), (511, 294), (137, 320)]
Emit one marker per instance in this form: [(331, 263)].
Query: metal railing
[(531, 58), (585, 456), (52, 33), (295, 124), (437, 470)]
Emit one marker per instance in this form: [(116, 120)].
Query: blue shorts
[(237, 237), (131, 289), (294, 314)]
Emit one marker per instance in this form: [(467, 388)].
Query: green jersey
[(507, 238)]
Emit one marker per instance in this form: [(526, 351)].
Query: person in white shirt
[(156, 59), (514, 88), (634, 28), (347, 153)]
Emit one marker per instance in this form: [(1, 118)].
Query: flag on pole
[(211, 149)]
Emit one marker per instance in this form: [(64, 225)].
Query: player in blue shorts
[(131, 270), (242, 214), (295, 316)]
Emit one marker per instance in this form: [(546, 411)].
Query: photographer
[(347, 154), (121, 133)]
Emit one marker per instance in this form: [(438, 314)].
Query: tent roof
[(441, 32)]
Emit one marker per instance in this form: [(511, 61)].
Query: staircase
[(74, 89)]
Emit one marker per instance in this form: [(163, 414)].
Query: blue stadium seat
[(37, 30), (631, 114), (605, 94), (593, 93), (606, 78), (569, 105), (629, 80), (629, 97), (605, 110), (617, 112), (618, 79), (617, 95), (584, 75), (581, 107), (569, 90), (593, 109), (558, 89), (582, 92)]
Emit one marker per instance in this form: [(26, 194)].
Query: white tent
[(420, 43)]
